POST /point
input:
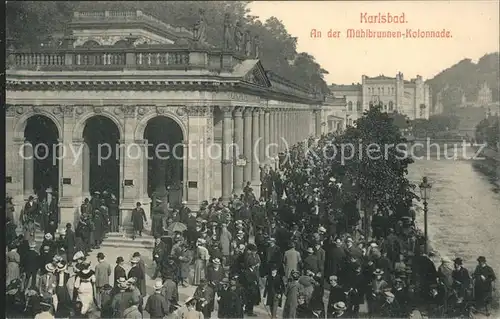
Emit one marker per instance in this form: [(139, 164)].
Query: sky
[(473, 26)]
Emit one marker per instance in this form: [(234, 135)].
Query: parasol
[(177, 227)]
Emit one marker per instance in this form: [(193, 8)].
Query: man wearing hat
[(189, 310), (50, 216), (205, 296), (461, 279), (138, 219), (170, 291), (95, 201), (138, 273), (483, 276), (292, 295), (30, 262), (63, 304), (156, 305), (120, 300), (48, 281), (311, 262)]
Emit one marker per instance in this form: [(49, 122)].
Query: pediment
[(256, 75)]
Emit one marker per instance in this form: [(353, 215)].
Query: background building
[(395, 94)]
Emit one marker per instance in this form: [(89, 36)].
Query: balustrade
[(162, 58), (39, 58)]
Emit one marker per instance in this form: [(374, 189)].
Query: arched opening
[(349, 106), (121, 44), (41, 160), (90, 44), (102, 165), (165, 159)]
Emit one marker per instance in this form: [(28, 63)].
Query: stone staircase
[(115, 240)]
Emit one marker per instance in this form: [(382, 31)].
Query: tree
[(363, 163), (400, 120)]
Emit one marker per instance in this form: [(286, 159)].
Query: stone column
[(272, 133), (29, 168), (267, 135), (262, 136), (277, 130), (238, 150), (317, 119), (85, 170), (247, 144), (282, 130), (255, 160), (227, 156), (287, 128), (294, 130)]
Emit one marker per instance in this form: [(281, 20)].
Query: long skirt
[(12, 272), (199, 271), (86, 296)]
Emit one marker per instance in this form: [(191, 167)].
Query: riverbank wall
[(488, 162)]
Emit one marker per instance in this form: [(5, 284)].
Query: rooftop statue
[(256, 43), (200, 28), (248, 44), (227, 32), (238, 38)]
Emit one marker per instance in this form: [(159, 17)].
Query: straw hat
[(188, 300), (340, 306), (32, 244), (48, 236), (378, 272), (216, 261), (158, 286), (134, 260), (50, 267), (310, 250), (78, 255)]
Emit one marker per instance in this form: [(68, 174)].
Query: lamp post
[(425, 194)]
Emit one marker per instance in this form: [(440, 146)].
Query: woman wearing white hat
[(85, 287)]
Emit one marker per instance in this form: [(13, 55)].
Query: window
[(378, 91), (383, 90), (358, 106), (371, 104), (349, 106), (391, 105)]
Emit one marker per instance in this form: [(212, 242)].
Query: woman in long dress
[(200, 265), (85, 287), (13, 260)]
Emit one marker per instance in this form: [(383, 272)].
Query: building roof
[(341, 87), (380, 77)]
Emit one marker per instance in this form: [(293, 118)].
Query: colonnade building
[(90, 113)]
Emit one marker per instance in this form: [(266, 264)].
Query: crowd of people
[(239, 254)]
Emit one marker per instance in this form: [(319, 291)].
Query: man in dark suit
[(31, 264), (69, 243), (50, 218), (63, 307)]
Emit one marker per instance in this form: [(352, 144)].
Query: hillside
[(466, 77)]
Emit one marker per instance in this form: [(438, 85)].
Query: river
[(464, 215)]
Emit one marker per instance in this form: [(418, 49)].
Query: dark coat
[(337, 294), (157, 306), (70, 243), (250, 281), (138, 273), (334, 260), (119, 272), (138, 218), (31, 261), (275, 288)]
